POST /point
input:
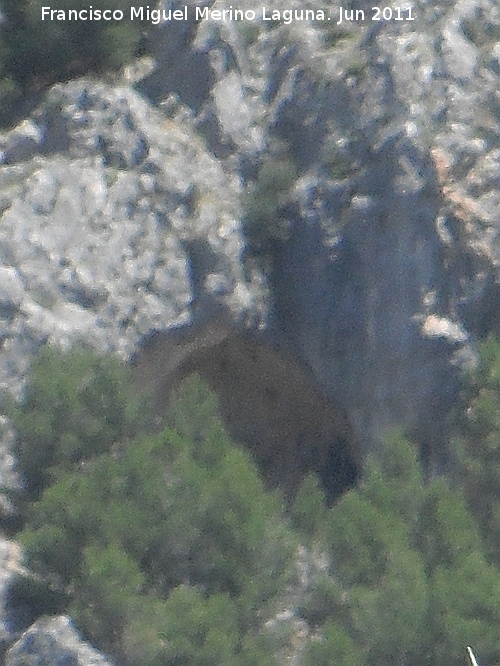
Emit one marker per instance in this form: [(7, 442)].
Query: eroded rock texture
[(53, 641), (374, 266), (387, 269)]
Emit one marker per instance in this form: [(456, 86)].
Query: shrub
[(333, 647), (477, 443), (409, 581), (74, 408), (167, 546), (168, 550), (265, 221)]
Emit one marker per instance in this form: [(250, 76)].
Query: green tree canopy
[(477, 443), (168, 551), (409, 582), (75, 407), (175, 526)]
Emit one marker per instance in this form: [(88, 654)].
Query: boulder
[(53, 642)]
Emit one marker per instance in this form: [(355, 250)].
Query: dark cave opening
[(269, 402)]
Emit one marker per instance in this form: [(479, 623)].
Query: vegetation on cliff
[(167, 548)]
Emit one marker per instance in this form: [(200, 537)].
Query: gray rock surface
[(122, 215), (11, 569), (388, 270), (97, 237), (53, 642), (97, 241)]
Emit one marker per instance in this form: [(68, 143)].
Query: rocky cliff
[(305, 213)]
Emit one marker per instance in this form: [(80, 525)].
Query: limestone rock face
[(102, 223), (53, 641), (391, 225), (124, 211), (97, 236)]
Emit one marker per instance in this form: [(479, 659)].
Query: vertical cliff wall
[(379, 260), (329, 189)]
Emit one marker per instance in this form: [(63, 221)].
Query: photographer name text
[(183, 13)]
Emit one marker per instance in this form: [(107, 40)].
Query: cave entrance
[(268, 402)]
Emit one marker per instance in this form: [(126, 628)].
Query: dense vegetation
[(167, 549), (166, 546), (36, 53)]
